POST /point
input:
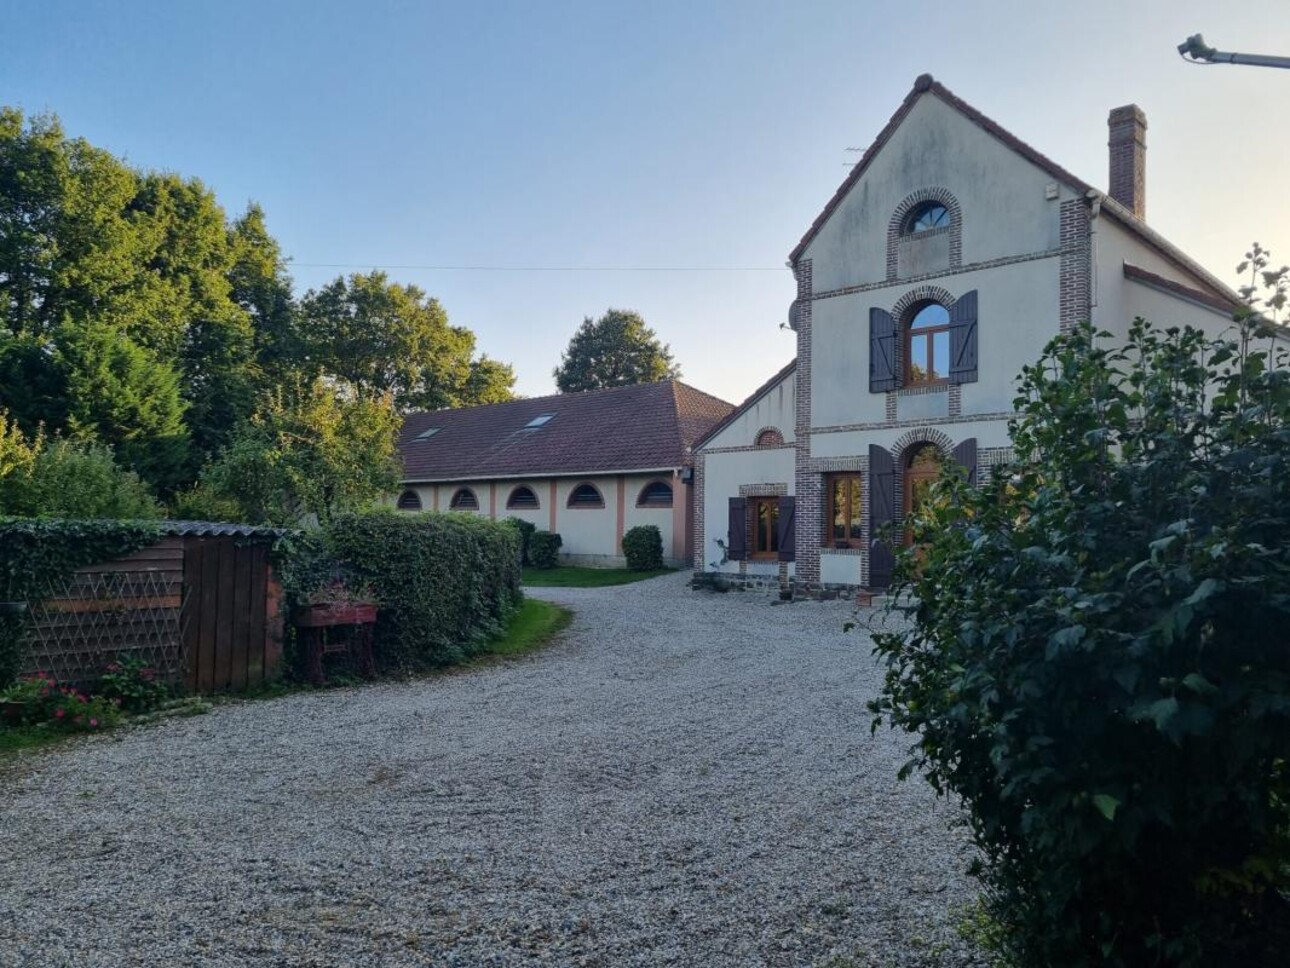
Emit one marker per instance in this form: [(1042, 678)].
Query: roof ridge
[(546, 396)]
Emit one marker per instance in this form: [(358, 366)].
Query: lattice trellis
[(98, 617)]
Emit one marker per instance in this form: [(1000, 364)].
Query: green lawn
[(570, 577), (532, 627)]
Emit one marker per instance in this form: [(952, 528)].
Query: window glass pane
[(855, 507), (773, 525), (933, 314), (918, 359), (940, 355), (839, 509)]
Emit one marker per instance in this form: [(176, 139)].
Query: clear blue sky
[(651, 134)]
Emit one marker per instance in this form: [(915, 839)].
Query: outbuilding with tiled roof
[(585, 465)]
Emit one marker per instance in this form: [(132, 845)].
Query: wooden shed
[(202, 605)]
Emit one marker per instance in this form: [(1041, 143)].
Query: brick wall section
[(1127, 145), (808, 491), (1075, 298), (700, 535)]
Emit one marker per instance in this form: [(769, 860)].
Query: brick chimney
[(1128, 144)]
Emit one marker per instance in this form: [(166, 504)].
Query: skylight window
[(428, 433), (538, 421)]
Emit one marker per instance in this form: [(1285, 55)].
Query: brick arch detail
[(921, 435), (917, 295), (774, 434), (955, 230)]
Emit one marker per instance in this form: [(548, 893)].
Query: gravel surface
[(682, 779)]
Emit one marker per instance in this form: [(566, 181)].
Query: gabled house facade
[(588, 466), (948, 258)]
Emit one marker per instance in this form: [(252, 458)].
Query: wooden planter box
[(326, 616)]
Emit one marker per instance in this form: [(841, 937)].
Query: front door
[(921, 472)]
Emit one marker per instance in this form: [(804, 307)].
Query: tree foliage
[(616, 350), (383, 337), (310, 452), (1096, 662)]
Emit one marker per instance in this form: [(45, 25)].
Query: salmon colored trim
[(622, 511)]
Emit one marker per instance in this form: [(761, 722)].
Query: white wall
[(777, 408), (723, 475)]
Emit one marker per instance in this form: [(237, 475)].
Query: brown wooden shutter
[(965, 457), (736, 539), (882, 351), (963, 355), (882, 511), (787, 529)]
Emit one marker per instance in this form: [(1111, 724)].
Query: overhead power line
[(470, 268)]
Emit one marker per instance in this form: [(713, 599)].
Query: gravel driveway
[(682, 779)]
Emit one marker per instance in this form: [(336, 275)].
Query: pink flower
[(60, 713), (93, 723)]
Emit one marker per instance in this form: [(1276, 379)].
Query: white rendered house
[(948, 258)]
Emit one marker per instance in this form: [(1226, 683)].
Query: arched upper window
[(770, 437), (464, 500), (586, 496), (928, 216), (656, 494), (409, 501), (521, 499), (927, 344)]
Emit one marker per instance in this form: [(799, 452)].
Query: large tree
[(382, 337), (616, 350)]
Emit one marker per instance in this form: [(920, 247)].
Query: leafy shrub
[(643, 547), (72, 479), (36, 555), (544, 549), (526, 530), (203, 503), (61, 708), (133, 685), (445, 582), (1097, 662)]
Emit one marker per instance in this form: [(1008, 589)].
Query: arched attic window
[(770, 437), (656, 494), (925, 217), (409, 501), (585, 496), (464, 500), (522, 499)]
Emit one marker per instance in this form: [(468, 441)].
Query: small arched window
[(409, 501), (770, 437), (522, 499), (928, 216), (586, 496), (927, 344), (656, 494), (464, 500)]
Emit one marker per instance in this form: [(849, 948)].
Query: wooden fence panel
[(228, 645)]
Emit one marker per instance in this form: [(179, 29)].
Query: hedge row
[(445, 583)]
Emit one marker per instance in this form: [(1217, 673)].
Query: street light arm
[(1194, 50)]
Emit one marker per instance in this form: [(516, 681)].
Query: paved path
[(683, 779)]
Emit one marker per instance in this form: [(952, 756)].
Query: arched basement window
[(522, 499), (586, 496), (656, 494), (464, 500), (409, 501)]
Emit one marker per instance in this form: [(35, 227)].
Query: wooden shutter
[(882, 351), (963, 355), (965, 457), (882, 511), (787, 529), (736, 539)]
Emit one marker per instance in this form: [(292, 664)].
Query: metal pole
[(1201, 53)]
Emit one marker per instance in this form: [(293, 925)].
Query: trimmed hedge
[(544, 549), (643, 547), (445, 583), (36, 555), (526, 530)]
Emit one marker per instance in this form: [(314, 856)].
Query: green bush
[(526, 530), (544, 549), (445, 582), (37, 555), (74, 479), (1097, 662), (643, 547)]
